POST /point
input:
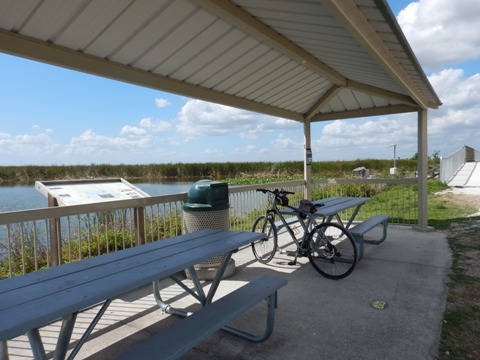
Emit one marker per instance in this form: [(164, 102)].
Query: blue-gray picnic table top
[(33, 300)]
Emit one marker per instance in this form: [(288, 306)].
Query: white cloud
[(199, 118), (442, 32), (456, 123), (161, 103), (132, 131), (147, 125), (369, 138), (91, 143), (27, 147), (155, 126), (250, 149), (213, 152), (282, 142)]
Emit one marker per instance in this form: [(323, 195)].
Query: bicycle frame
[(309, 224)]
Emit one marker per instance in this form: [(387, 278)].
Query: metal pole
[(395, 155)]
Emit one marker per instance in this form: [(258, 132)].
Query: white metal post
[(422, 167), (307, 167)]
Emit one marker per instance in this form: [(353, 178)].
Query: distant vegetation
[(180, 171)]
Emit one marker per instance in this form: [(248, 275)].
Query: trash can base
[(208, 273)]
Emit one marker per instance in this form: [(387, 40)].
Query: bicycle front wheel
[(264, 249), (332, 250)]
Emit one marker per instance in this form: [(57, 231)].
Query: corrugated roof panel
[(189, 58), (225, 37), (302, 101), (174, 40), (252, 75), (90, 22), (270, 77), (219, 62), (280, 55), (48, 20), (126, 25), (347, 99), (256, 65), (296, 87), (326, 39), (380, 101), (242, 65), (286, 83), (362, 98), (14, 13), (153, 31)]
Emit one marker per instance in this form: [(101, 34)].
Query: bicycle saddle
[(306, 206)]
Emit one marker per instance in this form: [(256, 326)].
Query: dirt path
[(462, 197)]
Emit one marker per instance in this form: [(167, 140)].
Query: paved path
[(468, 175)]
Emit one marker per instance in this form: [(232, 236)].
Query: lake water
[(24, 197)]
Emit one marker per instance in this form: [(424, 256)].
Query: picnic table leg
[(271, 306), (64, 336), (3, 350), (36, 344), (90, 328), (199, 295), (355, 212), (218, 277)]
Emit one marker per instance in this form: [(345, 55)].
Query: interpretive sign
[(76, 192)]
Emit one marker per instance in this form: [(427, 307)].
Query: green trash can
[(208, 207)]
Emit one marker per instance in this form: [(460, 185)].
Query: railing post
[(139, 216), (55, 236)]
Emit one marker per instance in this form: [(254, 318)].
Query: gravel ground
[(463, 195)]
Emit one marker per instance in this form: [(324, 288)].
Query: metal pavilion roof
[(297, 59)]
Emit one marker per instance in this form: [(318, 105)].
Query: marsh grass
[(183, 171)]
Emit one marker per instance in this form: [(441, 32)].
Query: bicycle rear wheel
[(264, 249), (332, 250)]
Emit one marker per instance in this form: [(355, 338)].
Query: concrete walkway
[(316, 318), (468, 175)]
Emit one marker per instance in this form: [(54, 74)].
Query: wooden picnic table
[(30, 301)]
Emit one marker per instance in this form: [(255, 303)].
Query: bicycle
[(329, 247)]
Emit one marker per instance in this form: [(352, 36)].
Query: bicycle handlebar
[(276, 191)]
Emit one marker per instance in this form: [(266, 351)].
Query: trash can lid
[(207, 195)]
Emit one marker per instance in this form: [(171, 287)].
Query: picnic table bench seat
[(359, 230), (185, 334)]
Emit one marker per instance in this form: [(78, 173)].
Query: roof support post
[(307, 165), (422, 166)]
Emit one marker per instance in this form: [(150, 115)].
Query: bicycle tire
[(332, 250), (264, 249)]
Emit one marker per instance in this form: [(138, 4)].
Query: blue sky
[(53, 116)]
